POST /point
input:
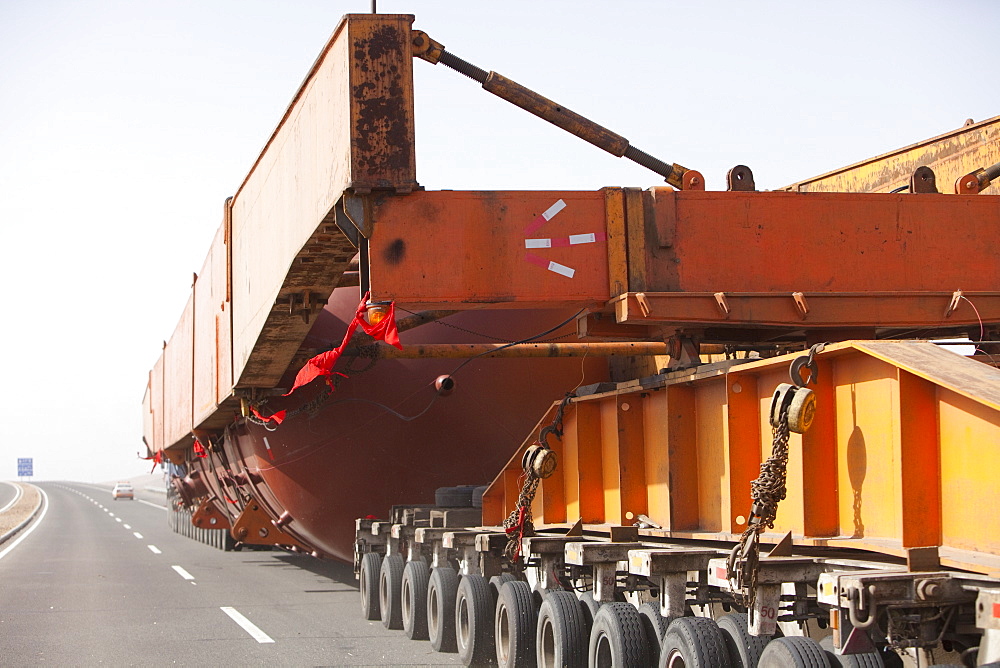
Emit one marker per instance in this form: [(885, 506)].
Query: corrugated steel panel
[(902, 454)]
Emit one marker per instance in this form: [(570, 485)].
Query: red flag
[(322, 364)]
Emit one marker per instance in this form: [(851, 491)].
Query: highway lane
[(106, 582), (8, 494)]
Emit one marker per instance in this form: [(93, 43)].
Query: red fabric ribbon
[(322, 364), (199, 449)]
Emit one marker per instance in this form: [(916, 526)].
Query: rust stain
[(382, 121)]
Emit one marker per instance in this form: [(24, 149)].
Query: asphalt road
[(99, 581), (8, 492)]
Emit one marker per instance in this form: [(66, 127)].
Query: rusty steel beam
[(950, 155), (463, 350)]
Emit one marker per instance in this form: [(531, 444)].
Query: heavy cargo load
[(357, 375)]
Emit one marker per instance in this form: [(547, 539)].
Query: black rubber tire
[(389, 584), (617, 637), (866, 660), (496, 582), (559, 638), (589, 606), (696, 641), (793, 652), (371, 566), (441, 590), (453, 497), (477, 496), (514, 625), (474, 621), (655, 625), (744, 649), (413, 599)]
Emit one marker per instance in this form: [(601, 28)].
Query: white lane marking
[(35, 525), (154, 549), (118, 519), (247, 625), (127, 527), (111, 514), (155, 505), (183, 573), (17, 495), (137, 535)]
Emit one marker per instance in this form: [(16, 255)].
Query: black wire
[(899, 190), (405, 418), (522, 341)]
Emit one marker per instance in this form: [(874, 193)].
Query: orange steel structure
[(745, 265), (903, 454)]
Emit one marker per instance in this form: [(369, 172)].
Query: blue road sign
[(24, 467)]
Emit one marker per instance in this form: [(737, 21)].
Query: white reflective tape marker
[(538, 243), (562, 269), (247, 625), (553, 210), (183, 573), (582, 239)]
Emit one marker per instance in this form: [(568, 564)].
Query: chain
[(556, 427), (311, 407), (519, 523), (766, 492)]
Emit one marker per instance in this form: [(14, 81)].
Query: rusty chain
[(519, 523), (766, 492)]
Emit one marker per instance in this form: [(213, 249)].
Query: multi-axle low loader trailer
[(767, 460)]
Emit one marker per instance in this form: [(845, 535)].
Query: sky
[(124, 126)]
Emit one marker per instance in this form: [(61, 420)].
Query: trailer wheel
[(496, 582), (866, 660), (560, 638), (413, 599), (589, 606), (744, 649), (371, 566), (441, 591), (693, 642), (389, 584), (617, 638), (474, 621), (514, 625), (793, 652), (655, 625)]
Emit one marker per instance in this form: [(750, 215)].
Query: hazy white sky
[(124, 126)]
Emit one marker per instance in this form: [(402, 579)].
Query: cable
[(515, 343)]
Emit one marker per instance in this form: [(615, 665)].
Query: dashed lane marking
[(154, 549), (183, 573), (247, 625), (137, 535)]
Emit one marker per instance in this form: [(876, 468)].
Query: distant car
[(123, 490)]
